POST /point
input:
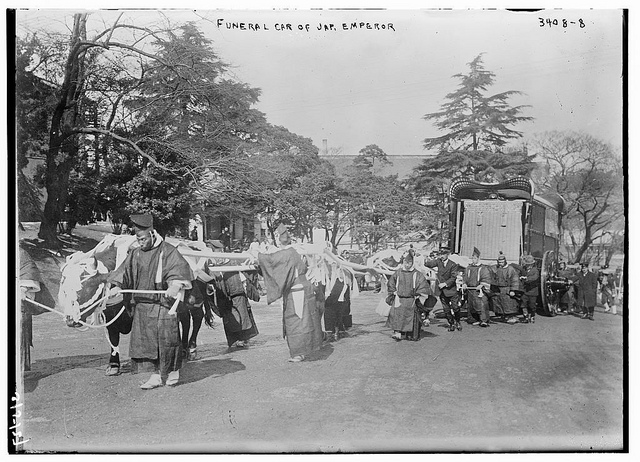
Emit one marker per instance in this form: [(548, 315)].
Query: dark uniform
[(449, 296)]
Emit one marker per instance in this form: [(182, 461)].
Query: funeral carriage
[(513, 218)]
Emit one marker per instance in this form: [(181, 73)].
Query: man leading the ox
[(155, 335), (447, 273)]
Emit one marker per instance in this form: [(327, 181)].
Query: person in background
[(477, 283), (31, 288), (587, 286), (568, 300), (607, 288), (337, 304), (155, 333), (254, 247), (407, 283), (530, 280), (447, 271), (506, 279)]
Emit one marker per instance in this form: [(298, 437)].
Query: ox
[(84, 285)]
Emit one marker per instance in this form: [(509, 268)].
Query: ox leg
[(198, 315), (114, 339), (185, 325), (113, 334)]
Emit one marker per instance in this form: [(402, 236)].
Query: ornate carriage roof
[(514, 188)]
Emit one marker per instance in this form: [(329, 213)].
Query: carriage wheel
[(549, 301)]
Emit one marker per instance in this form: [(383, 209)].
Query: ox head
[(84, 279)]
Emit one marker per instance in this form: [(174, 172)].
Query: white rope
[(64, 315)]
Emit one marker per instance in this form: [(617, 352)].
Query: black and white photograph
[(276, 229)]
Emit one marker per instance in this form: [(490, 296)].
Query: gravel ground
[(556, 385)]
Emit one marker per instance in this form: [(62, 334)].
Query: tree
[(154, 96), (34, 103), (368, 156), (588, 174), (379, 208), (157, 191), (478, 128), (473, 121)]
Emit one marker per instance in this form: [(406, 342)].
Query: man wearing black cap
[(447, 273), (155, 334), (477, 280), (506, 278), (587, 285)]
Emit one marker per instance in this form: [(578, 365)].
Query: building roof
[(400, 165)]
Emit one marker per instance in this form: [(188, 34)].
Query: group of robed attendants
[(509, 290), (156, 343)]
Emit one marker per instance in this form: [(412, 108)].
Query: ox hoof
[(193, 354), (112, 369)]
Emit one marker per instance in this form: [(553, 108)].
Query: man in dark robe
[(31, 288), (232, 305), (587, 285), (284, 274), (155, 334), (407, 283), (337, 305)]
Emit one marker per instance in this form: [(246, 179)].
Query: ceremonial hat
[(444, 249), (528, 260), (408, 257), (584, 263), (501, 256), (142, 220), (475, 252)]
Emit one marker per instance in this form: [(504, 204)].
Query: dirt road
[(554, 385)]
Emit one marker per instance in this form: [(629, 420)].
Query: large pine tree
[(477, 128), (472, 120)]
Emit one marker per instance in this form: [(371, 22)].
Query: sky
[(362, 86)]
